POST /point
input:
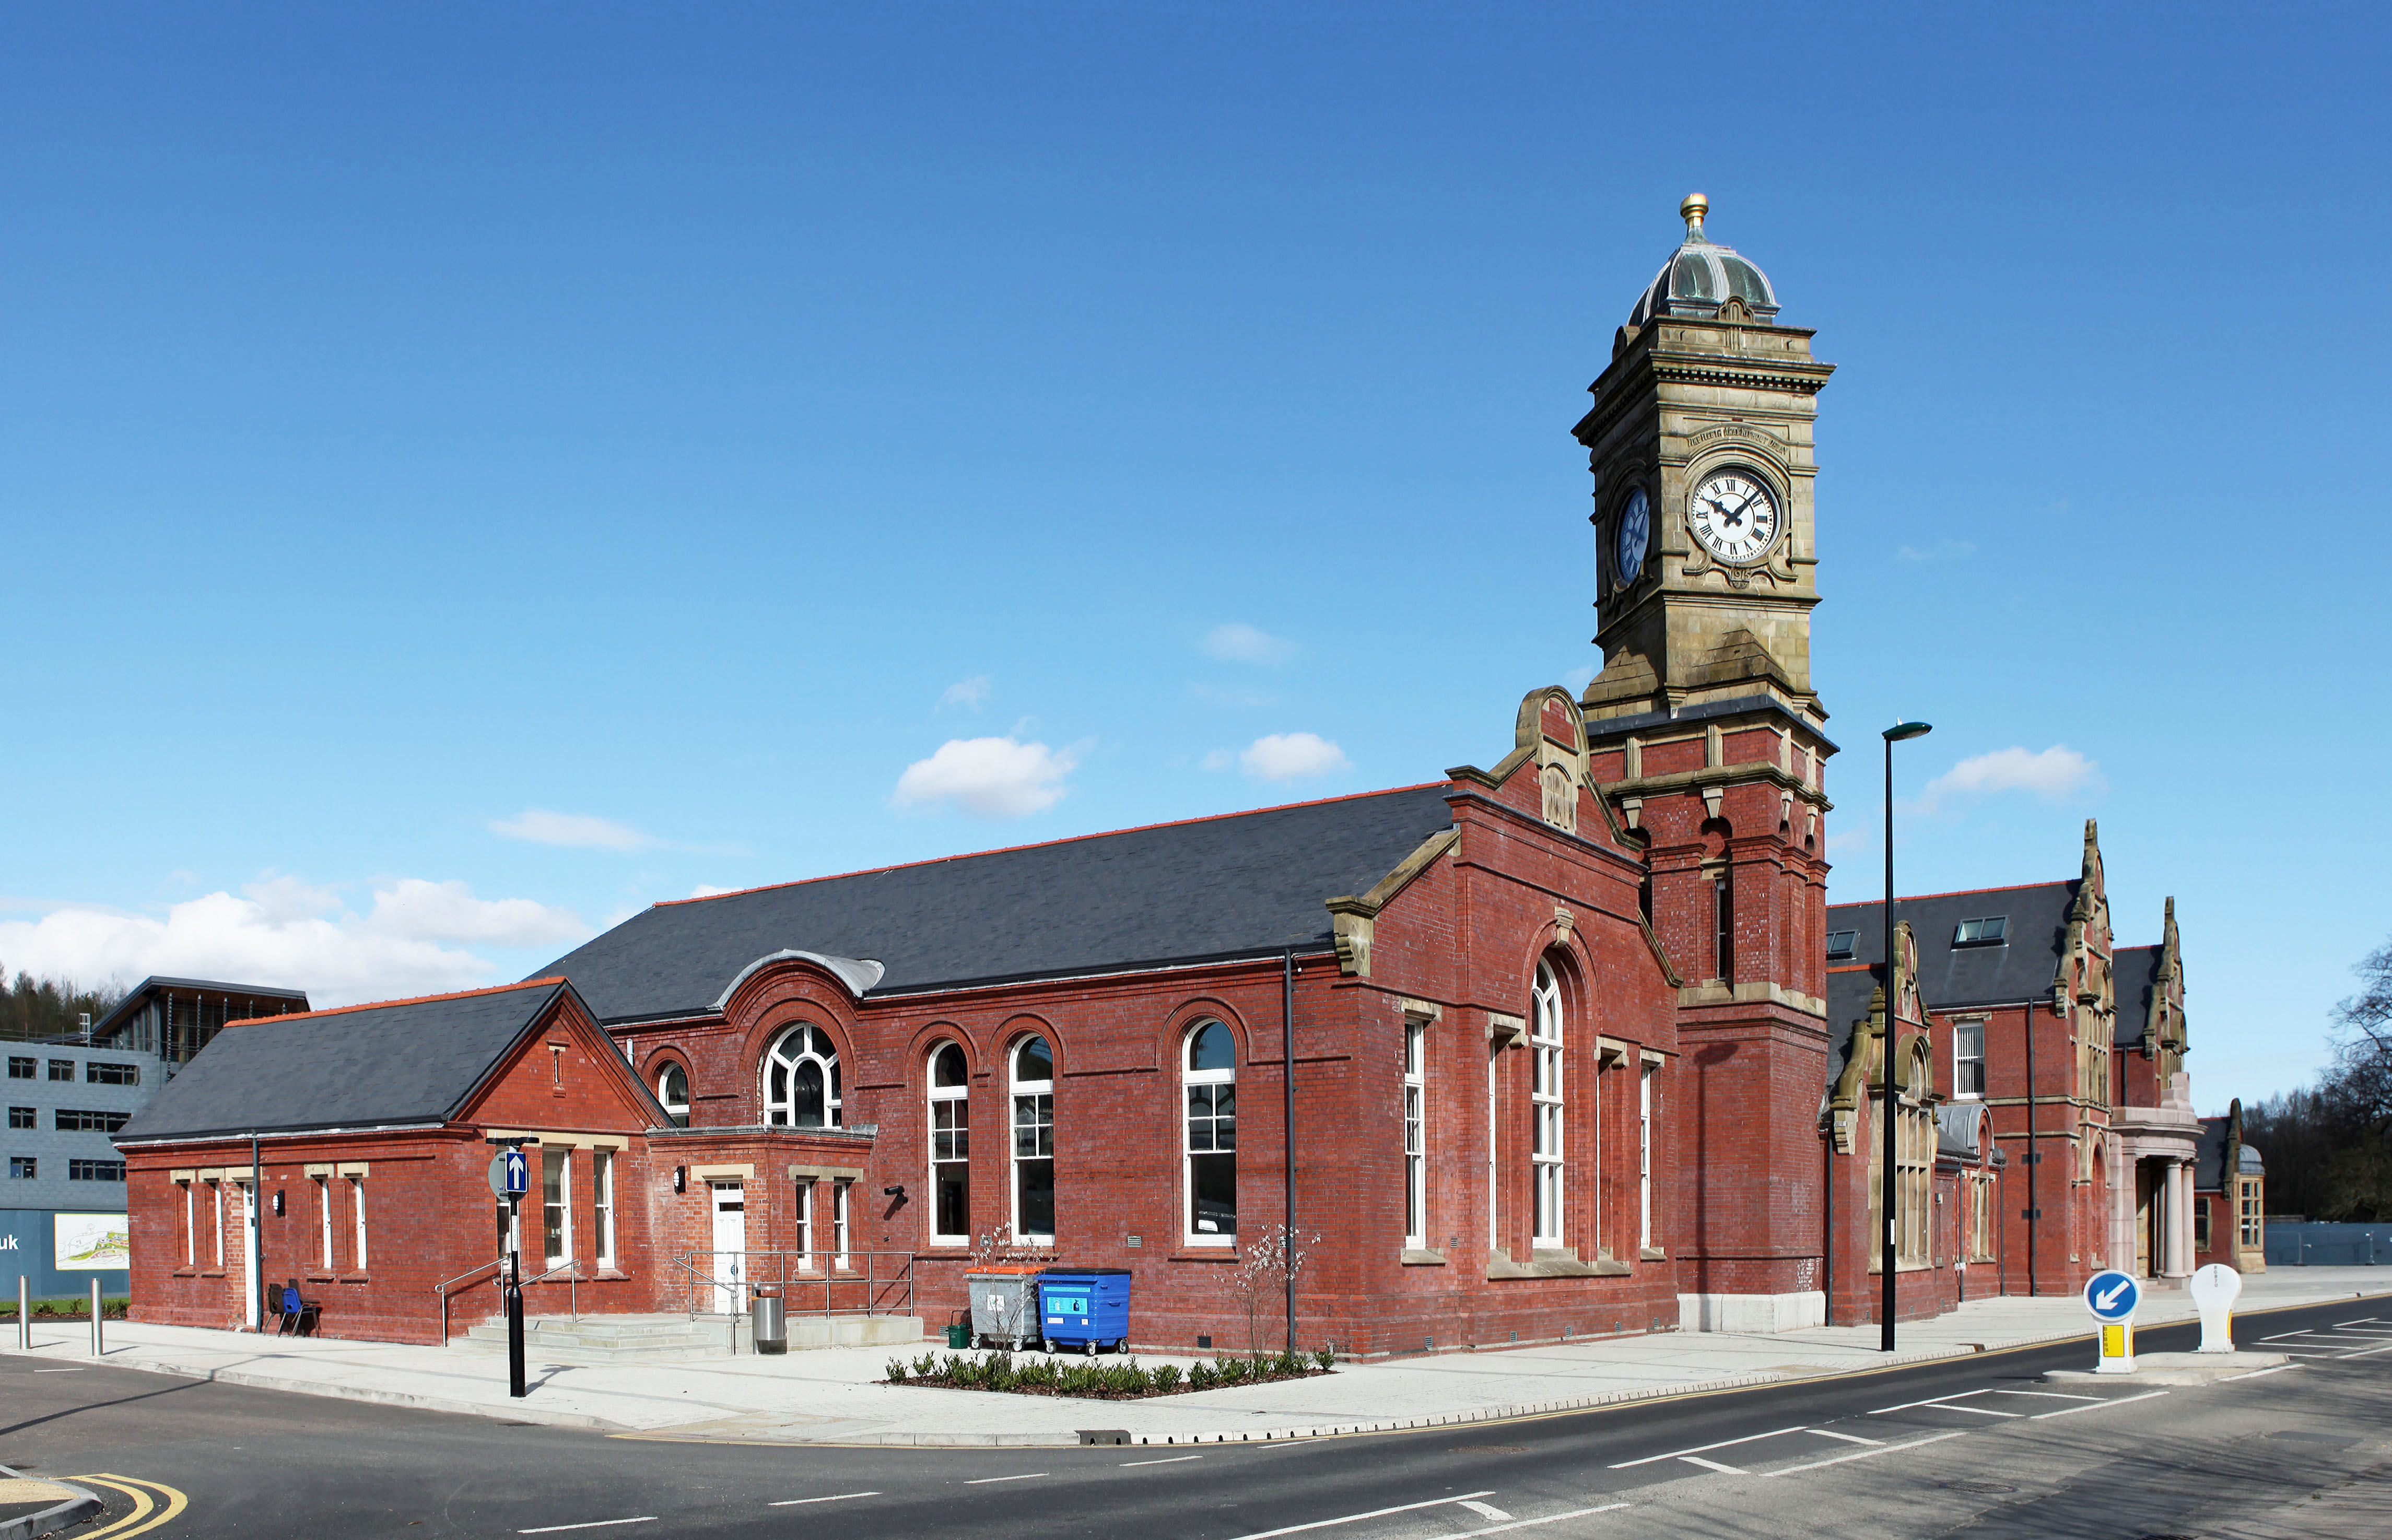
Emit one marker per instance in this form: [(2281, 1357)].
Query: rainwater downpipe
[(1287, 1125)]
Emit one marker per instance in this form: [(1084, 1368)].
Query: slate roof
[(1242, 885), (411, 1061), (2136, 971), (2209, 1157), (1848, 1002), (2020, 968)]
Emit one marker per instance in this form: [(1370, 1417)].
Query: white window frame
[(1960, 1091), (1188, 1080), (955, 1101), (602, 1200), (800, 1043), (357, 1208), (1021, 1089), (191, 1227), (839, 1225), (1545, 1111), (1644, 1156), (218, 1186), (563, 1205), (804, 1215), (1415, 1135), (673, 1110), (324, 1218)]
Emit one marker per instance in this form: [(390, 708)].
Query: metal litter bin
[(769, 1325), (1084, 1307), (1004, 1305)]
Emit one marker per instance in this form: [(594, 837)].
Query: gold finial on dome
[(1692, 212)]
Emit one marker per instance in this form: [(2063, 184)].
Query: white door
[(254, 1311), (730, 1245)]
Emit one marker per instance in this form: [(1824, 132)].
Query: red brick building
[(1566, 1042)]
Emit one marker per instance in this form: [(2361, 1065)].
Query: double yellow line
[(153, 1504)]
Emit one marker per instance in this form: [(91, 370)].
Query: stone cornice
[(1721, 775)]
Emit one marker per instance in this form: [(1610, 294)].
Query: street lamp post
[(1889, 1190)]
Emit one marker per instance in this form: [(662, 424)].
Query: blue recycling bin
[(1085, 1308)]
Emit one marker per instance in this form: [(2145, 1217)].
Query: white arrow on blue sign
[(519, 1179), (2112, 1296)]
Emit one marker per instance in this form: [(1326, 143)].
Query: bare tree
[(1268, 1264)]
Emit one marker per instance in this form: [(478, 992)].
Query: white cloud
[(284, 932), (574, 831), (1292, 756), (1942, 550), (708, 890), (1220, 758), (970, 692), (2053, 773), (987, 778), (424, 910), (1239, 643)]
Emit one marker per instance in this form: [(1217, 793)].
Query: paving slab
[(840, 1395)]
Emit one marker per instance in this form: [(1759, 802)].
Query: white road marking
[(2299, 1352), (1380, 1513), (1531, 1523), (1943, 1404), (2366, 1352), (1487, 1510), (1864, 1454), (835, 1497), (2051, 1395), (1173, 1460), (57, 1371), (1025, 1476), (1713, 1465), (1848, 1438), (2363, 1321), (594, 1524), (1706, 1448), (2113, 1401), (2257, 1373)]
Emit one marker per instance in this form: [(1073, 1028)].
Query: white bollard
[(2215, 1287), (95, 1317), (24, 1314)]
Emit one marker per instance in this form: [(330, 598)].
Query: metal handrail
[(882, 1284), (571, 1268), (443, 1290)]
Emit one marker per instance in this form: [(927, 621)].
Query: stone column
[(2177, 1220)]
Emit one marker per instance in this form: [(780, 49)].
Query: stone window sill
[(1546, 1262), (185, 1272), (1205, 1254), (354, 1279), (1653, 1253), (1409, 1257), (613, 1275), (214, 1273), (319, 1277)]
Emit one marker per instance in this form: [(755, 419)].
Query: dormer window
[(1842, 945), (1982, 933)]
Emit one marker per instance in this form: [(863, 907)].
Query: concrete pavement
[(838, 1395)]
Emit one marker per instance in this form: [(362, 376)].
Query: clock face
[(1628, 544), (1734, 516)]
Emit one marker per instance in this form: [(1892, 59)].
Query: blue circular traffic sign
[(2112, 1296)]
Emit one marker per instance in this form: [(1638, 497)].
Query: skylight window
[(1982, 933), (1840, 943)]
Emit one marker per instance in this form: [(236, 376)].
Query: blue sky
[(472, 473)]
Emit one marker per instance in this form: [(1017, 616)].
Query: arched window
[(1209, 1078), (672, 1090), (801, 1080), (1032, 1066), (950, 1147), (1545, 1098)]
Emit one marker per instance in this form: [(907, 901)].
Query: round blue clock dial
[(1635, 528)]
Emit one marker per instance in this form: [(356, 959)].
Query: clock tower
[(1708, 739)]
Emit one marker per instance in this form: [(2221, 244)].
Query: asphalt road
[(1979, 1447)]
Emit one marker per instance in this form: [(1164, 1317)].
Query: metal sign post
[(510, 1179), (2111, 1299)]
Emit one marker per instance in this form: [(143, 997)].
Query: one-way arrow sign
[(2112, 1297)]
